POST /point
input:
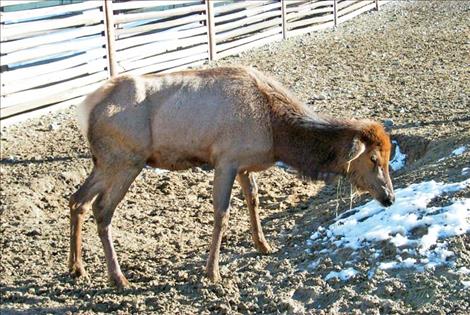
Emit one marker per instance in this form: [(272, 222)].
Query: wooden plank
[(38, 112), (297, 16), (155, 48), (47, 95), (132, 5), (219, 10), (63, 75), (345, 3), (353, 14), (250, 45), (314, 20), (354, 7), (183, 67), (174, 33), (318, 27), (210, 22), (161, 25), (14, 31), (61, 35), (6, 3), (129, 65), (170, 64), (305, 9), (24, 73), (53, 10), (245, 40), (70, 95), (248, 12), (241, 31), (248, 20), (126, 18), (53, 49)]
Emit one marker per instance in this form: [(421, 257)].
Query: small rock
[(33, 232), (388, 123)]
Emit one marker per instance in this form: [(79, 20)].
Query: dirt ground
[(406, 65)]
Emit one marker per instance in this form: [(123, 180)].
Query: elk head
[(367, 166)]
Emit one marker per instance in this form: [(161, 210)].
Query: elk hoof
[(77, 271), (120, 282), (213, 275), (263, 247)]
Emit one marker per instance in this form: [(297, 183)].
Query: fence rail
[(53, 54)]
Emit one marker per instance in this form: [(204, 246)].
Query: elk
[(235, 119)]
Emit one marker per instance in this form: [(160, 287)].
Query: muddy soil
[(406, 65)]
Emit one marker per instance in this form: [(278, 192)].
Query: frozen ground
[(407, 64)]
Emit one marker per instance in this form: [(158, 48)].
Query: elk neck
[(315, 146)]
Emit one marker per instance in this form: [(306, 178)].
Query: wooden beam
[(284, 19), (110, 38), (335, 13), (211, 29)]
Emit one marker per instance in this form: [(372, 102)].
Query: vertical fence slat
[(335, 13), (211, 29), (110, 38), (284, 19)]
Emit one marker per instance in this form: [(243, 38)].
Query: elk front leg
[(223, 182), (250, 190)]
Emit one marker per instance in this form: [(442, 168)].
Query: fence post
[(110, 39), (377, 5), (284, 19), (211, 29), (335, 13)]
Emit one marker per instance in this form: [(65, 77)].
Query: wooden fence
[(55, 54)]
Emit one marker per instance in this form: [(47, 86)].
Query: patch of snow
[(464, 271), (459, 151), (313, 264), (344, 275), (282, 165), (371, 223), (466, 284), (398, 161), (156, 170), (465, 171)]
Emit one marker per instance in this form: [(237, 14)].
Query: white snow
[(466, 284), (398, 161), (465, 171), (282, 165), (459, 151), (366, 225), (156, 170), (344, 275)]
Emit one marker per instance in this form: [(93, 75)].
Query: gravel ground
[(406, 65)]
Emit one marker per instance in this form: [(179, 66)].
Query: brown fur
[(235, 119)]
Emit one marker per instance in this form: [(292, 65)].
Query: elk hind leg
[(250, 190), (222, 188), (80, 202), (117, 184)]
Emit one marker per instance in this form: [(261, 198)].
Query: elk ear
[(357, 148)]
